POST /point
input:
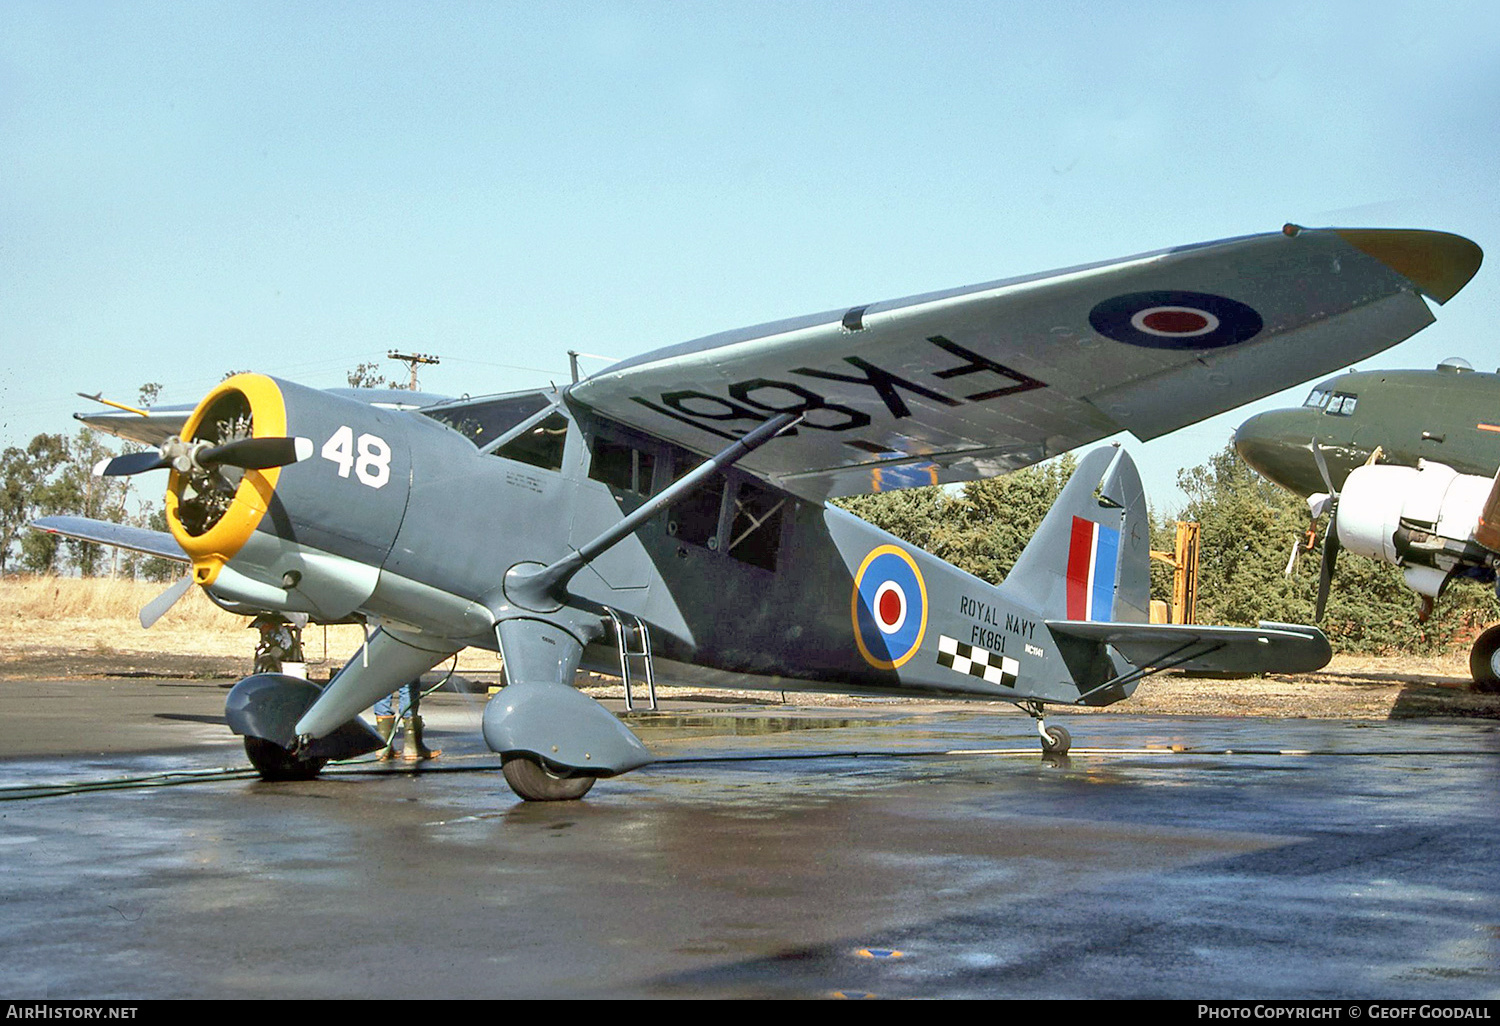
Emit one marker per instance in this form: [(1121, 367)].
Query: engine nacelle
[(1422, 519)]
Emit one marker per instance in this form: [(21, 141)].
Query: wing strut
[(542, 590), (1167, 661)]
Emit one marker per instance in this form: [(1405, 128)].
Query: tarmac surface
[(890, 850)]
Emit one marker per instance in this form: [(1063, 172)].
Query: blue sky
[(189, 189)]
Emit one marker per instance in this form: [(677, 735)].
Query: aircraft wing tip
[(1438, 263)]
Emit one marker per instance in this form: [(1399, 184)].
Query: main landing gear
[(534, 782), (274, 762), (1055, 740), (1484, 661)]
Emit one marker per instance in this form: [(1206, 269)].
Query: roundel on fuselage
[(888, 607)]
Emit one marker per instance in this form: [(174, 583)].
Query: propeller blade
[(257, 453), (1317, 452), (1330, 557), (131, 463), (152, 611)]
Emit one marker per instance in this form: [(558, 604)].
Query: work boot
[(385, 726), (415, 750)]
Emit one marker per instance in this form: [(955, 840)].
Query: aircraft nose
[(1277, 445)]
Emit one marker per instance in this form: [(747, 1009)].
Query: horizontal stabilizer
[(1268, 648), (136, 539)]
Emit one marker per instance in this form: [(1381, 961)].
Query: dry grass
[(53, 599), (97, 616), (67, 625)]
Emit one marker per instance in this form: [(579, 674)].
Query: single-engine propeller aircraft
[(1404, 462), (667, 516)]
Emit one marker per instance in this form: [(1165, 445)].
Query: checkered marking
[(993, 667)]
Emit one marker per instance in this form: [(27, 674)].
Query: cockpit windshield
[(482, 421), (1337, 404)]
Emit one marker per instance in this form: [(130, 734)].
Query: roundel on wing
[(1172, 319), (888, 607)]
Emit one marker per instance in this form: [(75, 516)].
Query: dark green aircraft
[(1450, 415), (1405, 462)]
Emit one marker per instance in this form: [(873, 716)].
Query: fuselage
[(1450, 415), (415, 518)]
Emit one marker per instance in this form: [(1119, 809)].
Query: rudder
[(1089, 559)]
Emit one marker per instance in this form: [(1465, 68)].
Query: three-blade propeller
[(186, 457), (1330, 536)]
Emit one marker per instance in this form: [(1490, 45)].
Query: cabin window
[(1318, 399), (755, 532), (623, 467), (696, 518), (541, 445), (483, 422)]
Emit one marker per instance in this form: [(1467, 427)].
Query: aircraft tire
[(533, 782), (1482, 659), (274, 762), (1057, 741)]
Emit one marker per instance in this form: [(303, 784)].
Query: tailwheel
[(1484, 661), (1056, 740), (274, 762), (534, 782)]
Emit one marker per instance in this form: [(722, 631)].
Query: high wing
[(1268, 648), (972, 382), (137, 539)]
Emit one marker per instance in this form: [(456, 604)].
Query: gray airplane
[(667, 517)]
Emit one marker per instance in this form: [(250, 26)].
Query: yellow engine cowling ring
[(212, 548)]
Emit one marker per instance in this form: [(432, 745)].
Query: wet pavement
[(887, 851)]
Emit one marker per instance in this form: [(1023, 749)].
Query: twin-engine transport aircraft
[(1404, 462), (668, 514)]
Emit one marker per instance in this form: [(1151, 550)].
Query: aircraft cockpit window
[(483, 422), (541, 446), (1341, 404), (1318, 399)]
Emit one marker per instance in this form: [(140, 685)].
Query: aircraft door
[(619, 477)]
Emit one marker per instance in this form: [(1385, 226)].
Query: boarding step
[(633, 639)]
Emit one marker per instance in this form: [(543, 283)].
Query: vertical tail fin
[(1089, 559)]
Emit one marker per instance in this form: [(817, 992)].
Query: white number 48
[(369, 457)]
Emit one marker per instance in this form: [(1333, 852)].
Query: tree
[(367, 375), (32, 488), (154, 568), (983, 528)]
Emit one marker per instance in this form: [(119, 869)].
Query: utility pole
[(412, 360)]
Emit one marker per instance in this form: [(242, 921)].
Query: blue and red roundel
[(1171, 319), (888, 607)]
